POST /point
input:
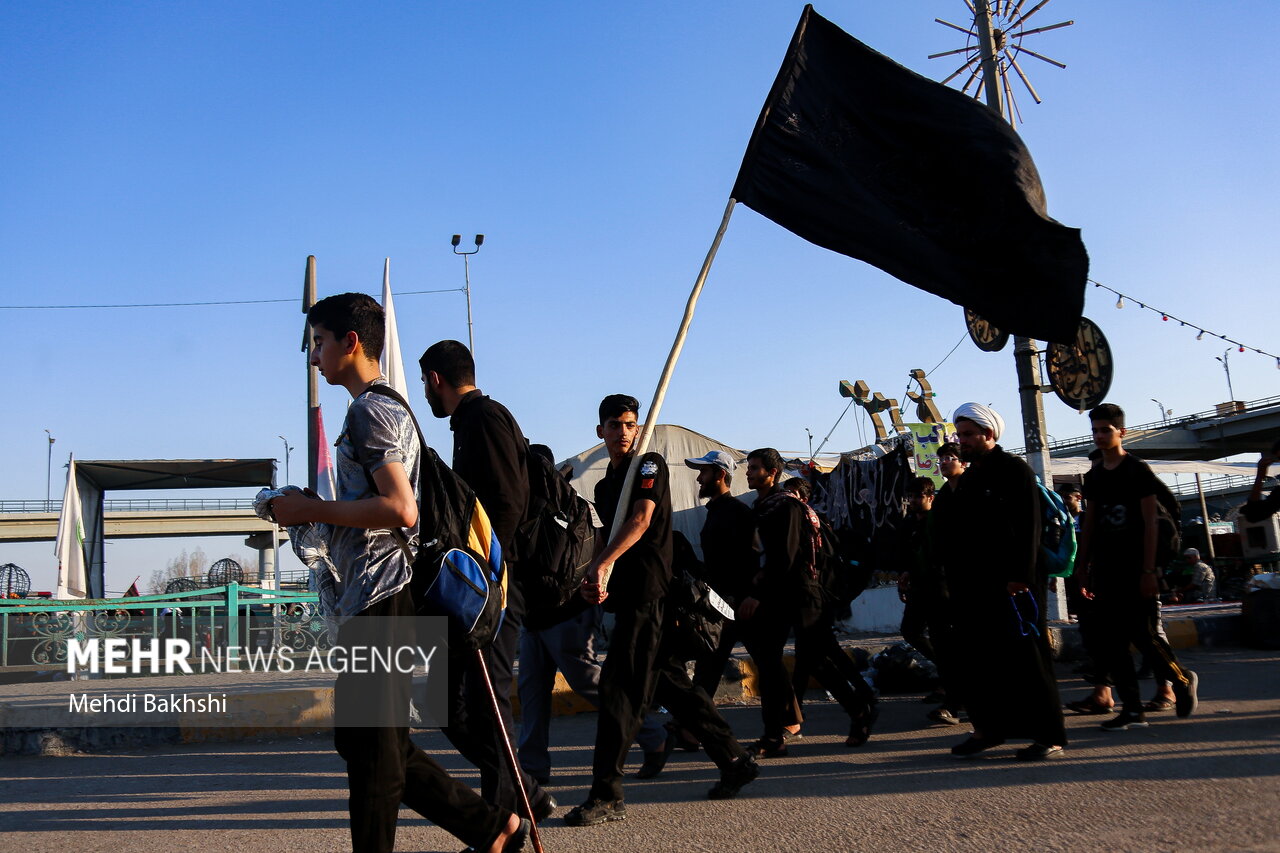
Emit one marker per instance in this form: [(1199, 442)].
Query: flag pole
[(655, 406), (1026, 355)]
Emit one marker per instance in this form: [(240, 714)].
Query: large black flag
[(867, 158)]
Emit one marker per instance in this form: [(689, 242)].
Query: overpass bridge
[(1227, 429), (37, 521)]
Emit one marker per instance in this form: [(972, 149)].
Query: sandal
[(1089, 706), (1158, 704)]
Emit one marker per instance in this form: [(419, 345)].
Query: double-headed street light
[(466, 272)]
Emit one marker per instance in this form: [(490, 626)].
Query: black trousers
[(819, 655), (709, 668), (693, 708), (627, 683), (1093, 630), (1129, 619), (915, 626), (927, 611), (765, 636), (384, 767), (472, 728)]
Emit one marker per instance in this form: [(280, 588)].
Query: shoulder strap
[(388, 391)]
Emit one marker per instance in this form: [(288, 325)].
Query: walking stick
[(512, 764)]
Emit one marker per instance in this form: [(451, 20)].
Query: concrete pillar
[(264, 544)]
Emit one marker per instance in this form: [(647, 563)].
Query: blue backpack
[(458, 571), (1057, 535)]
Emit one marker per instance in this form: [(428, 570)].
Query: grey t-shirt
[(371, 564)]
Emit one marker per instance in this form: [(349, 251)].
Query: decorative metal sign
[(1081, 372), (984, 335)]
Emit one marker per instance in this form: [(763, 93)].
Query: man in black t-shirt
[(489, 453), (784, 596), (1117, 567), (630, 576), (730, 561)]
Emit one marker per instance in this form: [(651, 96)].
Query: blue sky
[(180, 152)]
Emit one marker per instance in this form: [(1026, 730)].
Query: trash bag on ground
[(902, 669)]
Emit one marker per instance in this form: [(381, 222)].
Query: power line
[(192, 304)]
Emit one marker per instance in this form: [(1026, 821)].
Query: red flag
[(325, 486)]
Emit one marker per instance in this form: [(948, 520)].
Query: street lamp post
[(466, 273), (48, 474), (1164, 413), (287, 448), (1226, 365)]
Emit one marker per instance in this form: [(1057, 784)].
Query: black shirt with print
[(643, 572), (1115, 502)]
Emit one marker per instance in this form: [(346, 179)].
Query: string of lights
[(1166, 317)]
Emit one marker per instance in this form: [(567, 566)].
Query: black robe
[(987, 534)]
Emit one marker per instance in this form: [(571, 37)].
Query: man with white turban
[(988, 539)]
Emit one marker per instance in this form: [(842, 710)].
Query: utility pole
[(313, 379), (1026, 355)]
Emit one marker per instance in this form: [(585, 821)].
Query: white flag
[(391, 364), (72, 577)]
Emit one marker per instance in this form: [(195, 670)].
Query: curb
[(305, 711)]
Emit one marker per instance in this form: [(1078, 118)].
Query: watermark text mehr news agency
[(120, 656)]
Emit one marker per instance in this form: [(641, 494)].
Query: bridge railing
[(135, 505), (229, 619), (1223, 483), (1184, 420)]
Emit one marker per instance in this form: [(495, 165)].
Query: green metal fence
[(223, 619)]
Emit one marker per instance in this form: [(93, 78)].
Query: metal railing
[(1221, 483), (135, 505), (230, 619), (1184, 420)]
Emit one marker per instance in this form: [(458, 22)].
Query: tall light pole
[(1164, 414), (48, 473), (287, 448), (1226, 365), (466, 273)]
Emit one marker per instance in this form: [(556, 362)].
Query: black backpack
[(1168, 525), (458, 571), (1168, 521), (557, 543), (694, 623), (841, 578)]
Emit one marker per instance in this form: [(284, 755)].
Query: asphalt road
[(1204, 783)]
